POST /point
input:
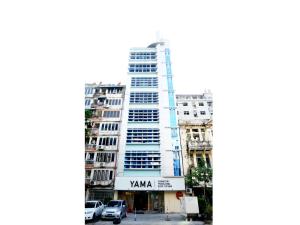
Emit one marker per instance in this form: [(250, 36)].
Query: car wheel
[(94, 216)]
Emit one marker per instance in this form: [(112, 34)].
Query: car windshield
[(114, 204), (90, 204)]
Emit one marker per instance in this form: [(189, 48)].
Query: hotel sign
[(149, 183)]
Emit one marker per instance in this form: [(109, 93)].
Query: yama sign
[(149, 183)]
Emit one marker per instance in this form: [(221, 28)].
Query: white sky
[(189, 34)]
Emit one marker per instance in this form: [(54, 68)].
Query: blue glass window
[(143, 97), (143, 115), (142, 56), (142, 160), (109, 114), (144, 82), (142, 68), (142, 136)]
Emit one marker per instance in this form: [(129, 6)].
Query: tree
[(202, 176), (88, 114)]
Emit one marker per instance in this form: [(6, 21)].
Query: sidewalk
[(152, 219)]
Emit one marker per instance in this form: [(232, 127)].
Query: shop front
[(149, 194), (143, 201)]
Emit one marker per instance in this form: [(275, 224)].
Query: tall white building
[(150, 170)]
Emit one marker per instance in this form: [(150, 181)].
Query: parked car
[(93, 209), (115, 209)]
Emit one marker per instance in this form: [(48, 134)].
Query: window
[(102, 175), (202, 112), (142, 135), (143, 115), (109, 126), (201, 104), (186, 113), (142, 68), (208, 161), (144, 82), (108, 141), (105, 157), (142, 160), (90, 156), (113, 101), (88, 90), (87, 102), (88, 174), (109, 114), (116, 90), (185, 104), (142, 56), (174, 132), (143, 97)]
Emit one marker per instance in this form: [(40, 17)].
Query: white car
[(93, 209)]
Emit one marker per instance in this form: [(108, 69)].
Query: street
[(147, 219)]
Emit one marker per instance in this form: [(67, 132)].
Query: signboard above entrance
[(149, 183)]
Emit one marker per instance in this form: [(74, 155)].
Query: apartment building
[(103, 112), (150, 170), (195, 117)]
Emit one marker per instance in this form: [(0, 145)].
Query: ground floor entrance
[(143, 201), (100, 195)]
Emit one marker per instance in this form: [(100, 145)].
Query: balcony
[(90, 147), (104, 164), (100, 94), (101, 182), (97, 105), (89, 164), (200, 145), (95, 131)]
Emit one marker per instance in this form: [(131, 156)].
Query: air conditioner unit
[(189, 191)]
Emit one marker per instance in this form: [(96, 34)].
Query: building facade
[(103, 113), (150, 168), (196, 129)]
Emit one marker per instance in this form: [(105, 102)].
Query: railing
[(98, 104), (89, 161), (91, 147), (200, 145), (89, 165), (99, 94), (101, 182), (95, 131), (94, 147)]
